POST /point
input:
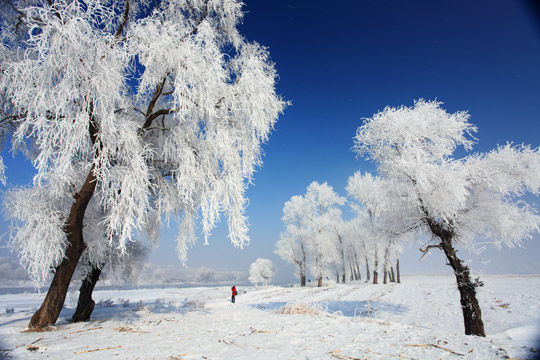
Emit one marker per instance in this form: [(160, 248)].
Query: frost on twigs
[(262, 272), (166, 104), (469, 201), (477, 199), (310, 232), (300, 309)]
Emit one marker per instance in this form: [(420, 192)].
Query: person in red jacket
[(233, 293)]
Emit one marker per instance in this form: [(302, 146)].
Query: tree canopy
[(167, 105)]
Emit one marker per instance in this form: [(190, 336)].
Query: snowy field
[(418, 319)]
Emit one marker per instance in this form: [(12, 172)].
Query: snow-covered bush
[(105, 303), (194, 304), (262, 272), (138, 306), (300, 309)]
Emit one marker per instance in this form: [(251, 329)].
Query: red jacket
[(234, 290)]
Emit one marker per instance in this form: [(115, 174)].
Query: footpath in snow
[(418, 319)]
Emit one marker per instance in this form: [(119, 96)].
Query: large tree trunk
[(392, 274), (303, 280), (319, 282), (472, 315), (85, 305), (50, 309), (48, 313)]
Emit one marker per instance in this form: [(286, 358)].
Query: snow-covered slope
[(418, 319)]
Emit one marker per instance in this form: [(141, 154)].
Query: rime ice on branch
[(150, 111), (467, 201)]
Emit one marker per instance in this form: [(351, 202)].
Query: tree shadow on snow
[(363, 309), (125, 311)]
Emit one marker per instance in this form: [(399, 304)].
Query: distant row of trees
[(421, 191), (317, 239), (12, 273)]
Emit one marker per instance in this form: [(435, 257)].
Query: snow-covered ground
[(418, 319)]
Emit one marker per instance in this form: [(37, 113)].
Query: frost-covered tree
[(323, 215), (309, 233), (459, 202), (339, 230), (292, 243), (151, 109), (371, 203), (34, 210), (320, 216), (262, 272)]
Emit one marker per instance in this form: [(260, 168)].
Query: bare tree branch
[(123, 22)]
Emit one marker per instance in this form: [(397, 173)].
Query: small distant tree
[(262, 272), (310, 231), (456, 201), (292, 243), (321, 214), (339, 230), (371, 203)]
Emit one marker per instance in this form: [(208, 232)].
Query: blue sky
[(342, 61)]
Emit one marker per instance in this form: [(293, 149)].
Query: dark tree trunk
[(303, 268), (385, 276), (368, 273), (85, 305), (357, 275), (342, 251), (375, 267), (50, 309), (319, 282), (392, 274), (398, 275), (472, 315)]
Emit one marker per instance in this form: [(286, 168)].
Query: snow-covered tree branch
[(457, 201), (75, 75)]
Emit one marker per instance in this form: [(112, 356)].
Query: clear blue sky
[(342, 61)]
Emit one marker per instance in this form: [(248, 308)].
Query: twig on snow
[(259, 331), (92, 350), (435, 346), (80, 331), (33, 342), (368, 351), (128, 329)]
